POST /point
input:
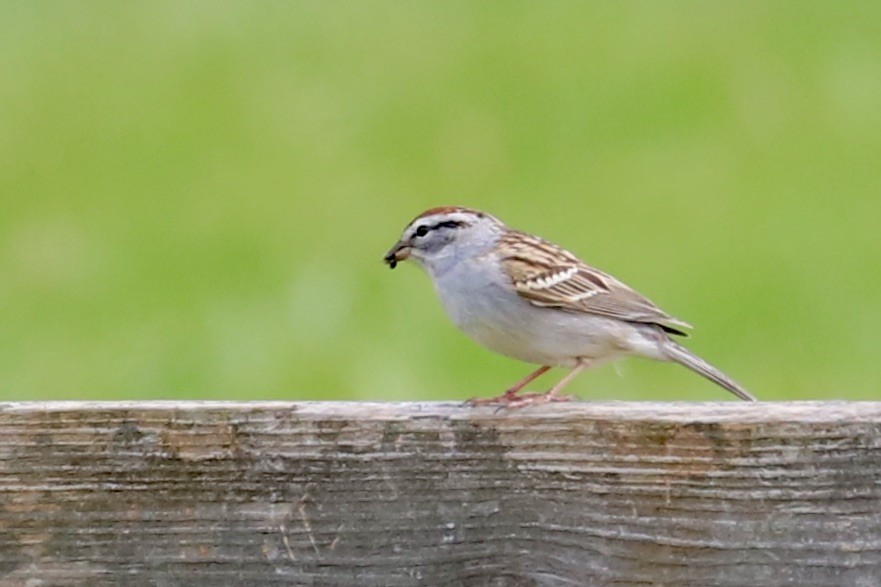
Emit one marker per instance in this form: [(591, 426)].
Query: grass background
[(196, 196)]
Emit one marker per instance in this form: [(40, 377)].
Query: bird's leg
[(551, 395), (510, 393)]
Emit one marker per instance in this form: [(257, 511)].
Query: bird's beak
[(399, 252)]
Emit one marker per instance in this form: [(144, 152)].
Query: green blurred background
[(196, 196)]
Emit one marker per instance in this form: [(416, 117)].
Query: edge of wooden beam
[(743, 412)]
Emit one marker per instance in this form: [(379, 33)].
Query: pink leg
[(511, 393), (551, 395)]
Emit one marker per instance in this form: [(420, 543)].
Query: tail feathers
[(686, 358)]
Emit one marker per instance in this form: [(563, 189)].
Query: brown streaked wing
[(549, 276)]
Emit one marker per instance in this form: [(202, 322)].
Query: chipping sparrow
[(531, 300)]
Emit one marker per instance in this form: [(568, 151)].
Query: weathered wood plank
[(680, 494)]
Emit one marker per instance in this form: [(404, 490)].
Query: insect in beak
[(399, 252)]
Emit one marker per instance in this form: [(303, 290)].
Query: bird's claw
[(513, 400), (503, 399)]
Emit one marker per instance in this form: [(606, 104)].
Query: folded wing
[(549, 276)]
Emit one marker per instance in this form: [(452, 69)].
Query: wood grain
[(678, 494)]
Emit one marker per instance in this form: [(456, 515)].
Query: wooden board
[(678, 494)]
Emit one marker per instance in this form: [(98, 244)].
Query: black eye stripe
[(423, 229), (448, 224)]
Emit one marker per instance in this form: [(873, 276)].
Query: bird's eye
[(422, 230)]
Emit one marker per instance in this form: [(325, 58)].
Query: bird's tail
[(680, 354)]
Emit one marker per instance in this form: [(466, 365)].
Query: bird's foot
[(537, 399), (513, 400), (504, 399)]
